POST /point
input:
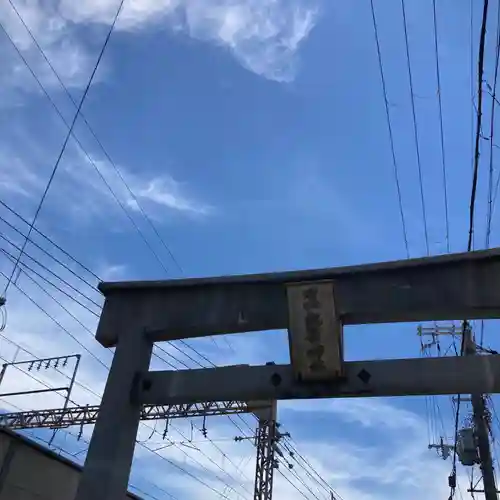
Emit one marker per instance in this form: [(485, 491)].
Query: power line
[(36, 379), (195, 477), (54, 320), (479, 122), (389, 126), (63, 148), (51, 296), (295, 487), (465, 324), (80, 438), (492, 132), (415, 127), (176, 429), (91, 130), (45, 237), (182, 450), (295, 474), (27, 351), (490, 202), (90, 160), (86, 154), (62, 264), (315, 482), (154, 430), (45, 268), (471, 80), (441, 128), (290, 444)]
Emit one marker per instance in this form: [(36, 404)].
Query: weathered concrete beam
[(398, 377), (436, 288)]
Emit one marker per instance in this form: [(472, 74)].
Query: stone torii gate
[(313, 305)]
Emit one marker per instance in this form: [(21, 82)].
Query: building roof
[(51, 454)]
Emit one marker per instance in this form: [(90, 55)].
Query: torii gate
[(314, 305)]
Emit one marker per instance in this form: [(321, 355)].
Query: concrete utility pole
[(480, 426)]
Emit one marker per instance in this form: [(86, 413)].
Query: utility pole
[(266, 441), (480, 425)]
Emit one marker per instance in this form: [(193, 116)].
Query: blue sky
[(253, 133)]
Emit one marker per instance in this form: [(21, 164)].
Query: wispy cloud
[(263, 35), (20, 174), (167, 192), (67, 52), (155, 194)]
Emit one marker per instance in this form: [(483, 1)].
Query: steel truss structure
[(82, 415)]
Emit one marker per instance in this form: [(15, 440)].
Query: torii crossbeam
[(313, 306)]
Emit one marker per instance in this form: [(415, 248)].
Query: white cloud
[(154, 193), (364, 412), (263, 35), (68, 54), (21, 174), (16, 177), (167, 192)]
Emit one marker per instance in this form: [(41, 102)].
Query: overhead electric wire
[(478, 125), (415, 127), (34, 281), (289, 481), (70, 133), (66, 140), (54, 320), (73, 455), (471, 81), (201, 355), (36, 379), (177, 466), (492, 134), (62, 264), (441, 127), (27, 269), (91, 130), (46, 238), (290, 443), (490, 204), (208, 439), (52, 273), (86, 154), (156, 355), (482, 39), (202, 366), (27, 351), (154, 430), (293, 472), (230, 487), (391, 136)]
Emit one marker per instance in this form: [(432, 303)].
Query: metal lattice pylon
[(264, 471)]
